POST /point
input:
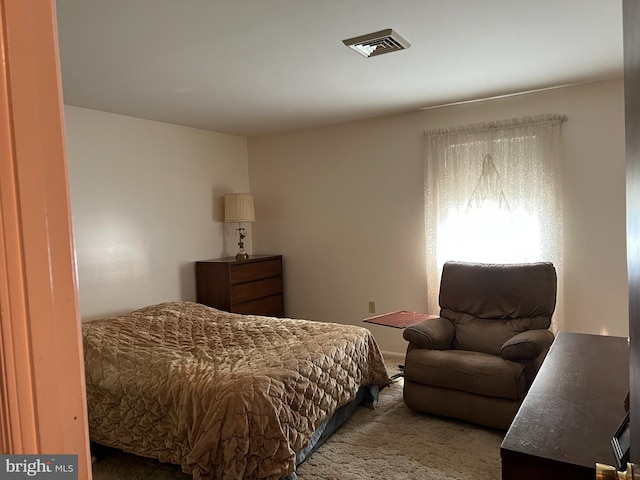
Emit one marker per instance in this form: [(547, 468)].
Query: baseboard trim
[(392, 354)]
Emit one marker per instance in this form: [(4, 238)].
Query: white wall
[(344, 205), (147, 203)]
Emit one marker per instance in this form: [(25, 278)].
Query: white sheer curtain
[(492, 194)]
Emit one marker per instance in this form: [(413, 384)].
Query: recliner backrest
[(490, 303)]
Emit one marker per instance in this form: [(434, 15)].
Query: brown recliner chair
[(477, 361)]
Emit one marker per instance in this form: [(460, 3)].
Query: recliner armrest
[(526, 345), (434, 334)]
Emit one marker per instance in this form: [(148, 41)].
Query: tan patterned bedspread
[(225, 396)]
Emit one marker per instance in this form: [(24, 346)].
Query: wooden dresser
[(253, 286), (572, 410)]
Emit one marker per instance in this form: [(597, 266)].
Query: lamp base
[(242, 256)]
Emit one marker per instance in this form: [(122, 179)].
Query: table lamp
[(238, 208)]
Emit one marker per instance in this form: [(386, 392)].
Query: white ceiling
[(251, 67)]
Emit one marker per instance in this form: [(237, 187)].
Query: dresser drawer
[(253, 286), (245, 272), (268, 306), (244, 292)]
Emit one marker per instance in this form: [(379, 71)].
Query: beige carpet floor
[(388, 442)]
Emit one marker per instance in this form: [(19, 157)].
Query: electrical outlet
[(372, 307)]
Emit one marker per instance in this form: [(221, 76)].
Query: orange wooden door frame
[(42, 394)]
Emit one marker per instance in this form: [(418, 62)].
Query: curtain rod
[(539, 120)]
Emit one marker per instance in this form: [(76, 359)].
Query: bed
[(223, 395)]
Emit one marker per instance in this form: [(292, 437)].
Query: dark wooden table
[(572, 410)]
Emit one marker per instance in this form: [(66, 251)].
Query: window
[(492, 195)]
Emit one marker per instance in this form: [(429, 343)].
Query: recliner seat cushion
[(474, 372)]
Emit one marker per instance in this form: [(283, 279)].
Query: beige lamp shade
[(238, 207)]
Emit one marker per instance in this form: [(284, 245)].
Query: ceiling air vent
[(372, 44)]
